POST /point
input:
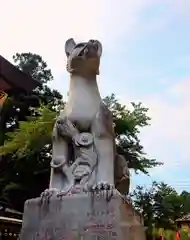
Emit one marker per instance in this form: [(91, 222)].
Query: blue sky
[(146, 57)]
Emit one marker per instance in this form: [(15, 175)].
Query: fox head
[(83, 58)]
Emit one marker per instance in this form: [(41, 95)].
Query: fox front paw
[(48, 193), (106, 189), (102, 186)]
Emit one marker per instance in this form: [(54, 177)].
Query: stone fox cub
[(84, 156)]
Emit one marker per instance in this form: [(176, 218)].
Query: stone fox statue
[(84, 155)]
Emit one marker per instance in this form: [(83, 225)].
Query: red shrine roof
[(12, 77)]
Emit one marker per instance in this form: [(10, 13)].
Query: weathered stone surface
[(85, 216), (84, 153)]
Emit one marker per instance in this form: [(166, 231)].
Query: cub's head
[(83, 58)]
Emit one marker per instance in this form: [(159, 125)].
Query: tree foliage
[(127, 127), (20, 104), (31, 136), (160, 205), (19, 112), (33, 65)]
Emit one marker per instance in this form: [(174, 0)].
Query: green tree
[(143, 201), (128, 124), (36, 67), (160, 206), (18, 108), (185, 198)]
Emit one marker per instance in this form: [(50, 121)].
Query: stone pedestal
[(82, 216)]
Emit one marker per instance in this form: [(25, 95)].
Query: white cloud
[(167, 138), (181, 8), (43, 26)]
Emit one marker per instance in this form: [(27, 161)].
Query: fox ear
[(69, 46)]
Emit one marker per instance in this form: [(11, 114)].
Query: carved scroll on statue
[(86, 158)]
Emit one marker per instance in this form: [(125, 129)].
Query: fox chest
[(82, 112)]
